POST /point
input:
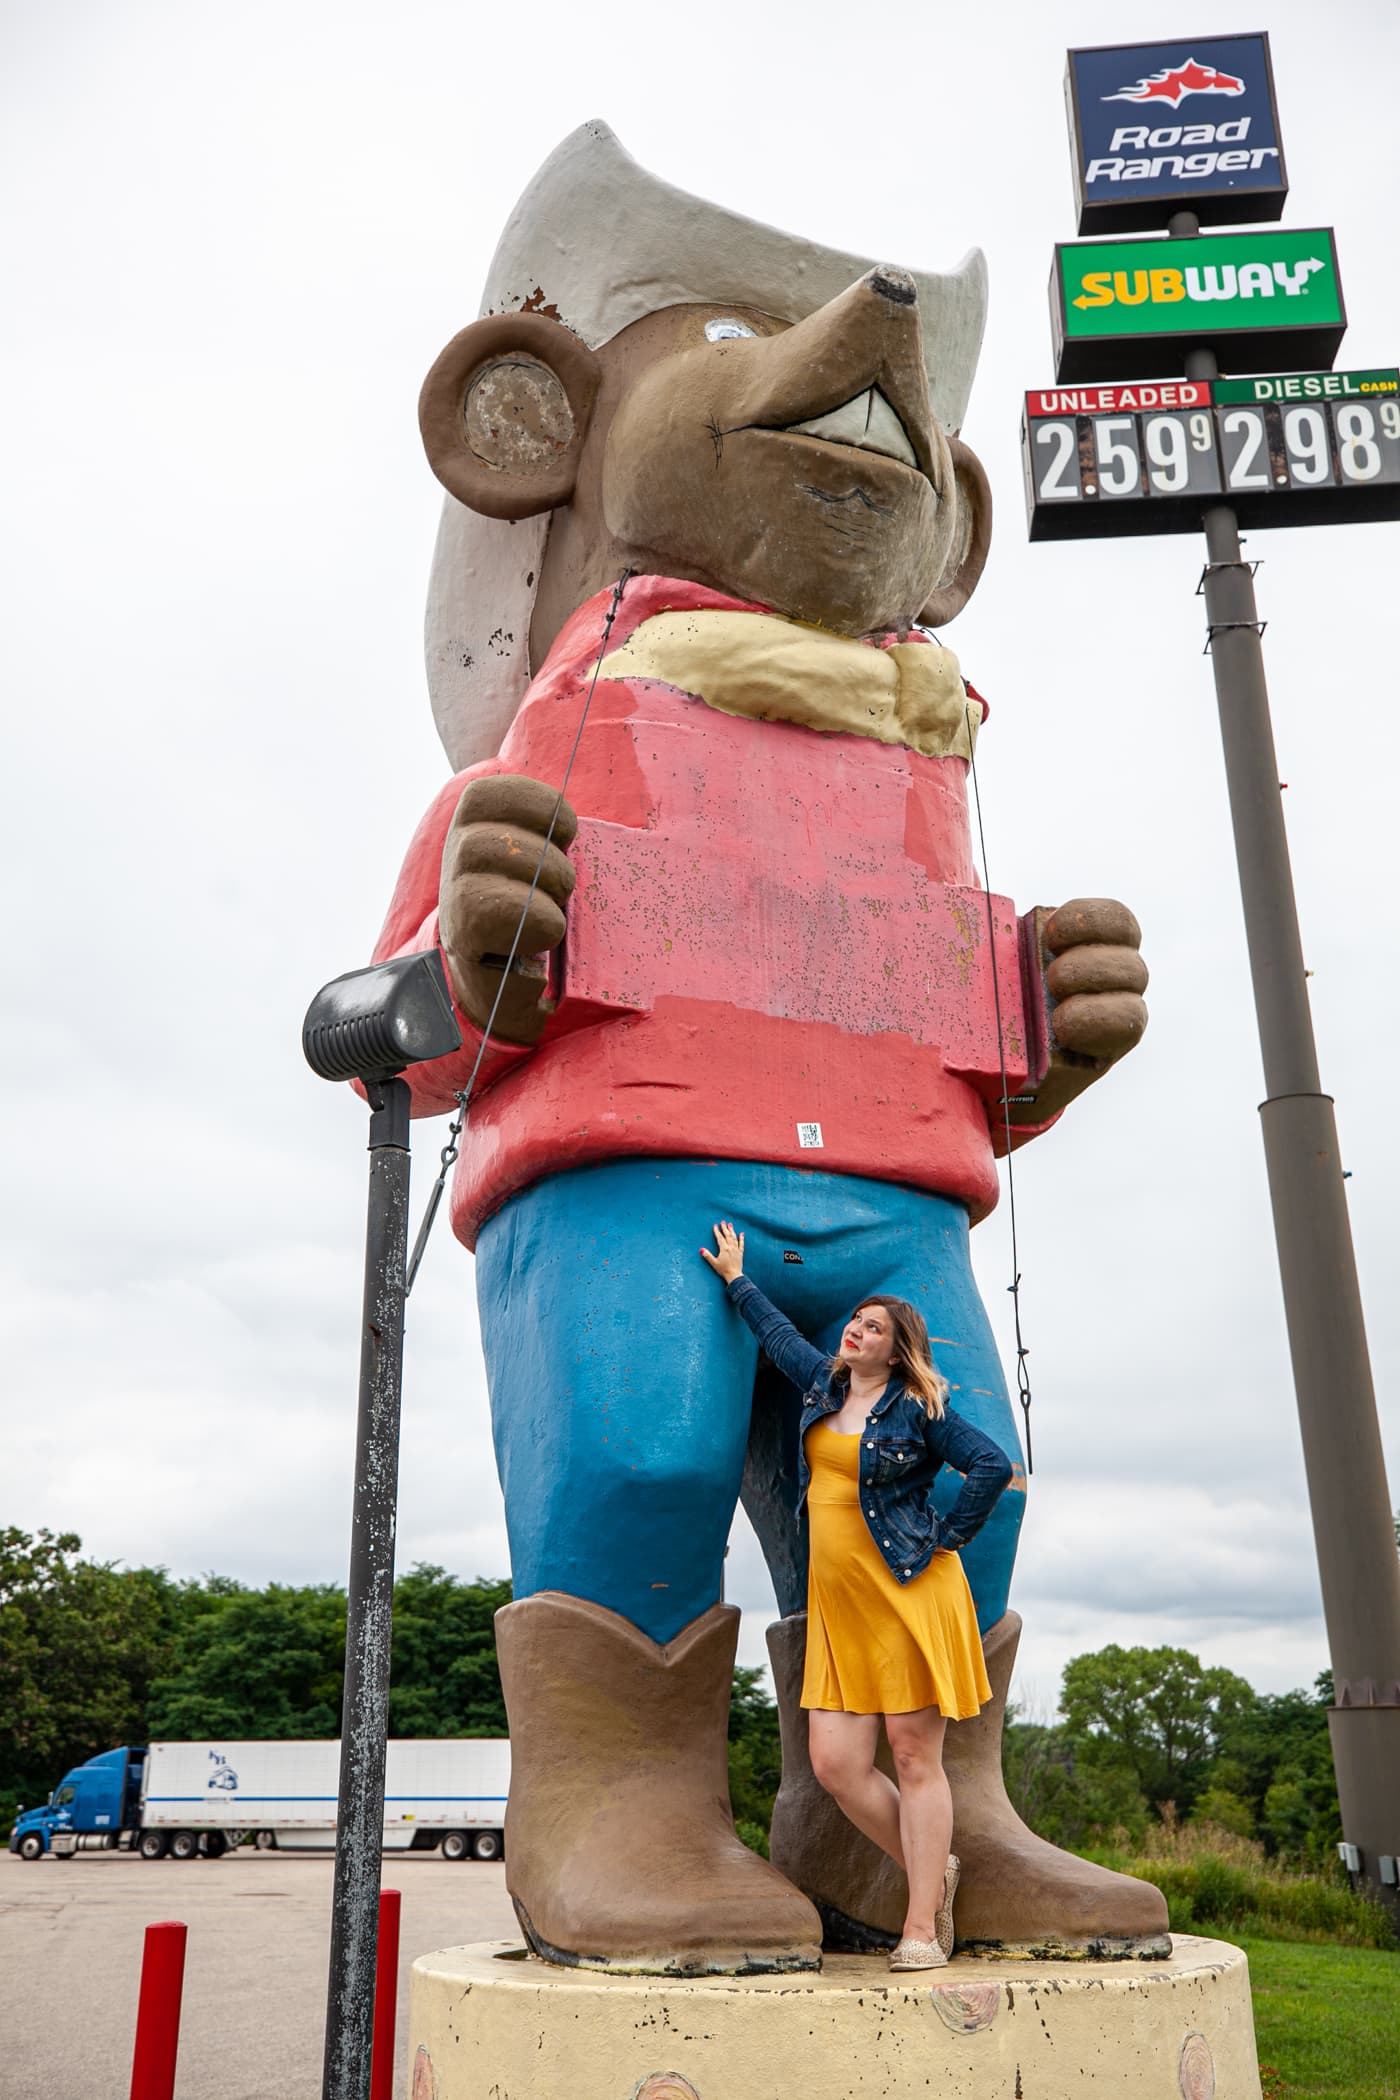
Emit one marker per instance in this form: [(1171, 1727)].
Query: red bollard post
[(386, 1998), (158, 2013)]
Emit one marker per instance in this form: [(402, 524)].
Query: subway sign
[(1132, 309), (1293, 448), (1186, 126)]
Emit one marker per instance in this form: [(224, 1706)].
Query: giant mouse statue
[(707, 503)]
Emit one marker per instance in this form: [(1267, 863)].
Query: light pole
[(368, 1026)]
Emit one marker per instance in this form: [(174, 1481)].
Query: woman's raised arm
[(777, 1337)]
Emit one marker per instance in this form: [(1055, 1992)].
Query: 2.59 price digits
[(1124, 456)]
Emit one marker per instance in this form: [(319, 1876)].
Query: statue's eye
[(726, 331)]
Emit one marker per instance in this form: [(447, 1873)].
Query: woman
[(891, 1627)]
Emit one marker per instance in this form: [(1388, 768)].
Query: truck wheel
[(487, 1844), (215, 1845), (454, 1844), (266, 1840), (31, 1845), (184, 1845), (152, 1844)]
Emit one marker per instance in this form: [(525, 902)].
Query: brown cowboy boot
[(1018, 1897), (620, 1844)]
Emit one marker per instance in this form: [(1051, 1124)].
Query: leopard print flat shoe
[(917, 1954)]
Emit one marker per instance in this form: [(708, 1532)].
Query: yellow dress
[(874, 1645)]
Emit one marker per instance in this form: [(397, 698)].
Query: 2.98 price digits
[(1343, 443)]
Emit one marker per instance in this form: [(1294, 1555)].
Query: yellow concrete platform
[(489, 2022)]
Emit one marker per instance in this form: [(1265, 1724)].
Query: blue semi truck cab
[(96, 1804)]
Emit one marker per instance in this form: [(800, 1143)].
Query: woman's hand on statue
[(729, 1262)]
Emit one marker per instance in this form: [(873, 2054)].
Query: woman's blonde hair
[(912, 1357)]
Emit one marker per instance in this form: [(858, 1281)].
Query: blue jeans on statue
[(623, 1381)]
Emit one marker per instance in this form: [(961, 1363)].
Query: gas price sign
[(1311, 448)]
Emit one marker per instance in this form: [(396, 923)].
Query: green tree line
[(93, 1655), (1151, 1735)]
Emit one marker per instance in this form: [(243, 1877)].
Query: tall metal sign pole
[(1351, 1513), (1290, 448)]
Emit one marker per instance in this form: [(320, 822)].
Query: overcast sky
[(236, 240)]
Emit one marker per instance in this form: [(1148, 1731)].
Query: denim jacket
[(902, 1448)]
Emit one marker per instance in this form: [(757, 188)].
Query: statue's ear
[(504, 413), (972, 536)]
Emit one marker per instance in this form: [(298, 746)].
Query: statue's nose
[(893, 284)]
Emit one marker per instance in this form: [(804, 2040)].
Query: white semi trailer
[(188, 1798)]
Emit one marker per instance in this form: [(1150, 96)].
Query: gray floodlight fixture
[(370, 1023)]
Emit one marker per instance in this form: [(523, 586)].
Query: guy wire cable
[(1023, 1381), (464, 1094)]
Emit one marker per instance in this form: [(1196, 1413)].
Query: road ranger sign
[(1132, 309), (1298, 448), (1161, 128)]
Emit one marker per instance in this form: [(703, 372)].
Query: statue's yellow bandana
[(776, 670)]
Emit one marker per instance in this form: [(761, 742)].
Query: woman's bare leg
[(843, 1749), (925, 1812)]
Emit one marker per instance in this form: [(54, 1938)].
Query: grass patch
[(1326, 2019), (1217, 1882)]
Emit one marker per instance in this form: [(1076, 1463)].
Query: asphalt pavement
[(255, 1974)]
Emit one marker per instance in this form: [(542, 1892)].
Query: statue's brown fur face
[(677, 455), (702, 465)]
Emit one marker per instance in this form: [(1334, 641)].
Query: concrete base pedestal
[(489, 2022)]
